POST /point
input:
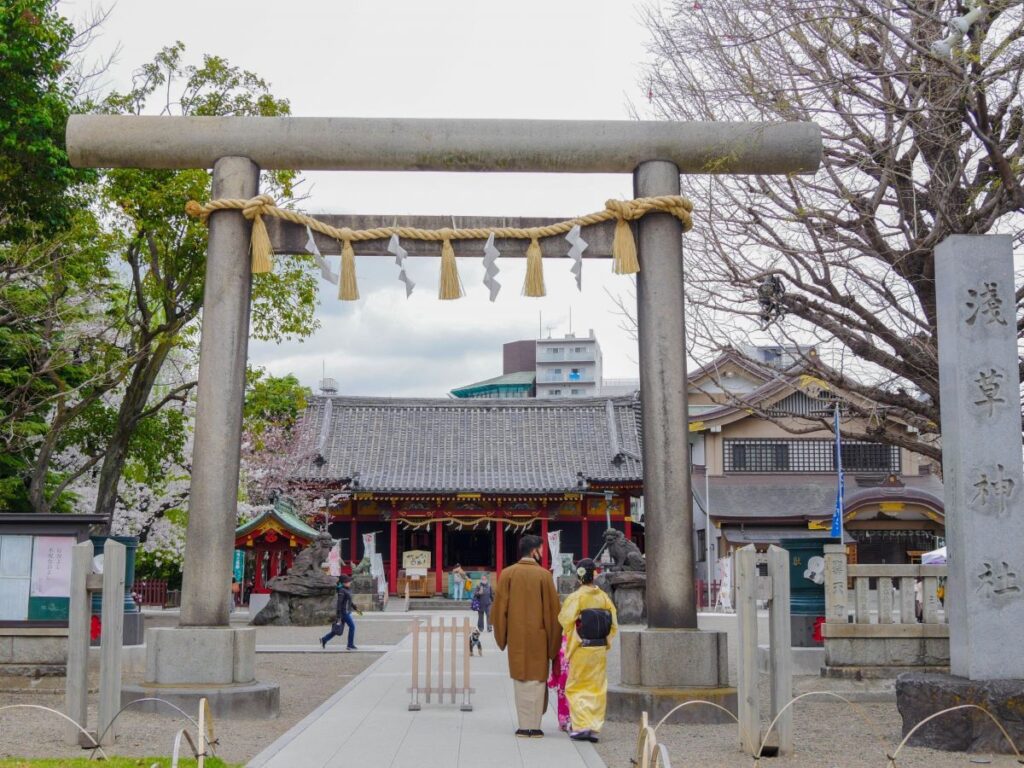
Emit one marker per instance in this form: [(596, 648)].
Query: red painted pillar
[(353, 534), (629, 528), (438, 563), (545, 554), (272, 570), (257, 582), (393, 575), (585, 532), (499, 552)]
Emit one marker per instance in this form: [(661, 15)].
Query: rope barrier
[(624, 254)]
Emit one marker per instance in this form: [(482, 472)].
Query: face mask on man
[(536, 556)]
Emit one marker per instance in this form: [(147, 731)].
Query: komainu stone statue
[(625, 580), (625, 554), (306, 595)]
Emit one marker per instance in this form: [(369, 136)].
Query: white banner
[(369, 544), (376, 565), (334, 560), (555, 545), (725, 583)]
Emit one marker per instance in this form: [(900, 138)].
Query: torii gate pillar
[(204, 656)]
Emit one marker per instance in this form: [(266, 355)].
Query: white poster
[(51, 566), (725, 583), (376, 565)]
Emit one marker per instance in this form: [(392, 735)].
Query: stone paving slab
[(367, 723)]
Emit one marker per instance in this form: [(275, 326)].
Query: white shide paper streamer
[(395, 248), (576, 254), (321, 262), (490, 267)]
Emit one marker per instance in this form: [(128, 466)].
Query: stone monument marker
[(982, 474), (981, 455)]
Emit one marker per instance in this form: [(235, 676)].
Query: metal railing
[(151, 591)]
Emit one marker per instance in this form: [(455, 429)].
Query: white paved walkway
[(368, 724)]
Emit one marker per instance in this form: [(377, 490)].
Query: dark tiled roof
[(770, 496), (804, 497), (479, 445)]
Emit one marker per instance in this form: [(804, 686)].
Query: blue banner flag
[(837, 516)]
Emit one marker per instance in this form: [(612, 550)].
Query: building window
[(574, 391), (558, 370), (702, 546), (554, 392), (578, 350), (554, 350), (809, 456)]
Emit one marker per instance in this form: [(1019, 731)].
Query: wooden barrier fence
[(457, 633)]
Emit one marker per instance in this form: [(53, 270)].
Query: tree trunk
[(133, 405)]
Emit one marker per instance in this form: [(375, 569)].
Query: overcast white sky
[(578, 59)]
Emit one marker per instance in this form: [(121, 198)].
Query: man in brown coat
[(525, 619)]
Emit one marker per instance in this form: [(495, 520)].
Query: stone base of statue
[(567, 585), (628, 590), (187, 664), (664, 668), (921, 694), (303, 601)]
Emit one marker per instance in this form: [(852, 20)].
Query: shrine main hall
[(464, 479)]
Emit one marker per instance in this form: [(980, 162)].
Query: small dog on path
[(474, 642)]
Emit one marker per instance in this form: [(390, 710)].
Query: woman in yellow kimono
[(588, 621)]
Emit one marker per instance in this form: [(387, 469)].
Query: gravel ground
[(306, 681), (826, 735)]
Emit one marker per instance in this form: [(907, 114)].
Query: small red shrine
[(273, 537)]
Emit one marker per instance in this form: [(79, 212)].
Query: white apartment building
[(569, 366)]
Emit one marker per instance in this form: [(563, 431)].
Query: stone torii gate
[(204, 655)]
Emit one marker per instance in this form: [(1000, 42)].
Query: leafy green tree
[(36, 180), (164, 251)]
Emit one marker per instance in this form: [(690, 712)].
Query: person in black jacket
[(345, 609)]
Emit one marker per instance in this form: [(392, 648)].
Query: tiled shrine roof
[(479, 445)]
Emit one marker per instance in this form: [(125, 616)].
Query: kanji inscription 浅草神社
[(981, 449)]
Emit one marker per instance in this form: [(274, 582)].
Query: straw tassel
[(451, 285), (624, 261), (534, 284), (262, 251), (348, 290)]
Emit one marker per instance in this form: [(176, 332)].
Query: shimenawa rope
[(624, 253)]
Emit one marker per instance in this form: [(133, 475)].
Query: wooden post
[(428, 657), (628, 525), (76, 694), (111, 638), (746, 610), (414, 703), (440, 662), (455, 644), (466, 630), (353, 538), (780, 652)]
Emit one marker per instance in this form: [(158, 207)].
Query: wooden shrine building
[(273, 538), (464, 479)]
